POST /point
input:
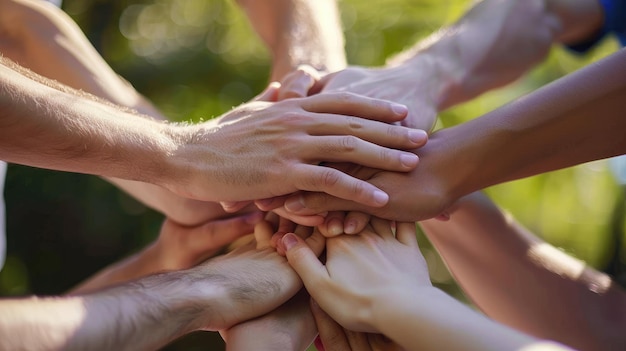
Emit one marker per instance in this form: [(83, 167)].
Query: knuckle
[(354, 123), (385, 156), (348, 143), (329, 178)]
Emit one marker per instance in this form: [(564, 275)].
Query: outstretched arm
[(148, 313), (298, 32), (575, 119), (522, 281), (377, 281)]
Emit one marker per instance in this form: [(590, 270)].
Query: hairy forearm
[(298, 32), (142, 315), (550, 295), (47, 125)]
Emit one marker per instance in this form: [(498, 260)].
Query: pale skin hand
[(375, 281), (281, 144), (386, 262), (109, 142)]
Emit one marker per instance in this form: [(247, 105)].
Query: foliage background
[(196, 59)]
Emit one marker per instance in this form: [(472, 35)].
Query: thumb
[(304, 261)]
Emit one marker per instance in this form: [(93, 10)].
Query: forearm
[(550, 294), (574, 120), (298, 32), (432, 320), (130, 317), (46, 125)]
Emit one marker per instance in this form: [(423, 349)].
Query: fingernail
[(409, 160), (418, 136), (289, 241), (380, 197), (335, 227), (399, 109), (294, 205), (350, 227)]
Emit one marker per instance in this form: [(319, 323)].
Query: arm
[(148, 313), (574, 120), (494, 43), (550, 295), (46, 40), (58, 129), (377, 281), (298, 32)]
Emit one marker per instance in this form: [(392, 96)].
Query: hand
[(407, 84), (263, 149), (361, 271), (423, 193), (253, 280), (181, 247), (333, 337), (289, 327)]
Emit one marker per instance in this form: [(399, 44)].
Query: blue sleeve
[(614, 12)]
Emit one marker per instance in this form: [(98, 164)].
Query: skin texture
[(373, 279), (167, 154), (584, 109), (149, 312)]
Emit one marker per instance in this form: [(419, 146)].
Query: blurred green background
[(198, 58)]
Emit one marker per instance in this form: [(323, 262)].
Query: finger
[(349, 148), (405, 233), (269, 94), (215, 234), (358, 340), (345, 103), (313, 203), (234, 206), (339, 184), (308, 220), (331, 334), (382, 227), (271, 203), (304, 261), (285, 225), (263, 234), (355, 222), (298, 83), (333, 225), (393, 136), (317, 242)]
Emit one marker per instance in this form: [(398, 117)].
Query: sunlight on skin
[(70, 312), (557, 261)]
